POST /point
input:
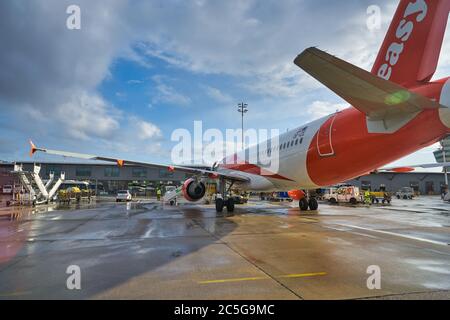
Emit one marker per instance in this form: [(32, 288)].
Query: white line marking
[(396, 234)]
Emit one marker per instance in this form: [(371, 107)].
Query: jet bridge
[(39, 192)]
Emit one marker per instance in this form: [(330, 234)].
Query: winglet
[(120, 163), (33, 148)]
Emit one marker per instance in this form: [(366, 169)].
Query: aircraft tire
[(230, 205), (219, 204), (303, 204), (313, 204)]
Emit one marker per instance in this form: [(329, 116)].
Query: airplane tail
[(411, 48)]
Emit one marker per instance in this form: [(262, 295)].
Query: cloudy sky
[(137, 70)]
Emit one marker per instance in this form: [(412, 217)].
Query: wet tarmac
[(262, 251)]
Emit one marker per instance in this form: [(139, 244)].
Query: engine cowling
[(193, 190), (296, 194)]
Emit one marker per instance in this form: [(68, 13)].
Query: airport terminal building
[(108, 178), (104, 178)]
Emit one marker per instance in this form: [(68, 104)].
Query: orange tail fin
[(411, 48)]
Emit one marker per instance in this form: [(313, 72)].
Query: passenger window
[(296, 141), (292, 143), (301, 140)]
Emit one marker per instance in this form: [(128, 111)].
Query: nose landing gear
[(224, 200)]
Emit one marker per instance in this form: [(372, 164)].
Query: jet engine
[(193, 190), (296, 194)]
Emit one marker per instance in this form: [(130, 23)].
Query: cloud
[(148, 130), (133, 81), (165, 93), (258, 42), (319, 109), (88, 116), (50, 75), (218, 95)]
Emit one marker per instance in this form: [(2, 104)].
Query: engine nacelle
[(296, 194), (193, 190)]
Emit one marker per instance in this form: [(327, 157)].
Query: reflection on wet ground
[(262, 251)]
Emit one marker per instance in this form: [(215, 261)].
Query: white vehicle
[(347, 194), (329, 192), (7, 189), (123, 195), (405, 193), (447, 197), (172, 194)]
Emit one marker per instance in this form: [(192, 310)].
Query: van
[(7, 189)]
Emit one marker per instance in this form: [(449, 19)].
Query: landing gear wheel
[(313, 204), (219, 204), (230, 205), (303, 204)]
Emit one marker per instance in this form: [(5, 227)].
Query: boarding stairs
[(34, 185), (171, 196)]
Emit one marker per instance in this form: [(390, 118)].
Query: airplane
[(394, 111)]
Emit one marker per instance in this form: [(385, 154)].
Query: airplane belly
[(259, 183)]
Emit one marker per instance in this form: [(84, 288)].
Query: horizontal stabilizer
[(378, 98)]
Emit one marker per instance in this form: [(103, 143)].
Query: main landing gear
[(220, 204), (224, 200), (308, 202)]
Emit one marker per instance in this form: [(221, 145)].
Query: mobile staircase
[(37, 191)]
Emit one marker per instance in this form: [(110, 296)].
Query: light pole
[(242, 108), (444, 160)]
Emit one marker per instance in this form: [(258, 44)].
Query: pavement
[(262, 251)]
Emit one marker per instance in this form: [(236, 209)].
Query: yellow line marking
[(301, 275), (296, 275), (233, 280), (14, 294)]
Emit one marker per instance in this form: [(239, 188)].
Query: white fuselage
[(287, 156)]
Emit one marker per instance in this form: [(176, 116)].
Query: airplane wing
[(378, 98), (121, 162), (413, 167)]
